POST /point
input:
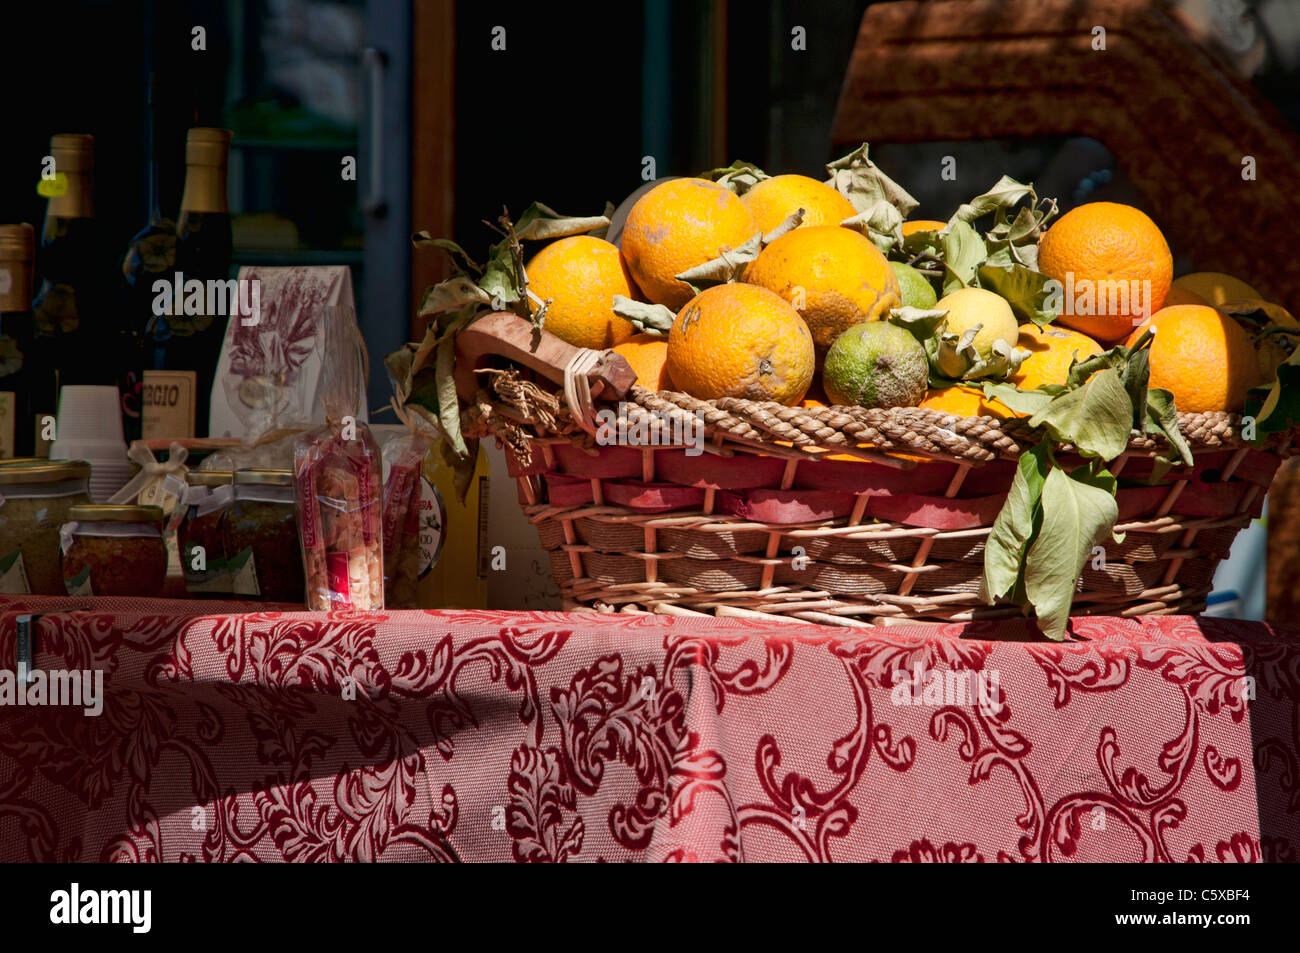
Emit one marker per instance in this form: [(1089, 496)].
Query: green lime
[(916, 288), (875, 364)]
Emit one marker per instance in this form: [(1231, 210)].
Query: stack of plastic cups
[(89, 427)]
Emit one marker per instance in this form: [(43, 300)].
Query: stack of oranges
[(765, 337)]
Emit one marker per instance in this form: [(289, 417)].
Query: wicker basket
[(842, 515)]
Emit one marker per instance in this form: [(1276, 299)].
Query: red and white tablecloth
[(496, 736)]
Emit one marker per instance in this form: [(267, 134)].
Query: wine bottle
[(150, 256), (188, 340), (20, 382)]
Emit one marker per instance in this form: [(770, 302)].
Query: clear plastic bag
[(404, 455), (337, 483)]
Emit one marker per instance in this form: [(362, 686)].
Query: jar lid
[(109, 513), (17, 242), (40, 470), (264, 477), (208, 477)]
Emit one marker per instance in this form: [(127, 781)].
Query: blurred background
[(453, 110)]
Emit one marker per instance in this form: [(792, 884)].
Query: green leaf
[(1095, 416), (922, 323), (540, 223), (1276, 406), (1008, 541), (1077, 512), (1021, 401), (727, 267), (956, 357), (882, 223), (1025, 290), (739, 177), (647, 318), (1004, 194), (1162, 418), (860, 181), (448, 405), (501, 279), (963, 251), (452, 295), (458, 255)]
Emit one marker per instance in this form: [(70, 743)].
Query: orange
[(964, 402), (834, 275), (1051, 351), (581, 275), (648, 355), (773, 200), (676, 226), (737, 340), (923, 225), (1206, 360), (1209, 287), (1097, 251)]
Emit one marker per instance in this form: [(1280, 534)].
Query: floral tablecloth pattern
[(227, 735)]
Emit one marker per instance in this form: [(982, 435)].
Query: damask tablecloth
[(498, 736)]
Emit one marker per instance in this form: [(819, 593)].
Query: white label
[(243, 574), (433, 525), (13, 576)]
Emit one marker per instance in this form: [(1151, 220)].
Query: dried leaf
[(647, 318), (739, 177), (860, 181)]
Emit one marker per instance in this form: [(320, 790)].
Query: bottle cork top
[(207, 146), (17, 242), (73, 152)]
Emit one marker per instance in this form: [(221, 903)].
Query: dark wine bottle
[(150, 257), (20, 378), (188, 341), (69, 329)]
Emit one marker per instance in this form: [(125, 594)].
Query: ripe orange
[(1098, 250), (737, 340), (964, 402), (648, 355), (923, 225), (1051, 351), (773, 200), (834, 275), (581, 275), (1206, 360), (677, 225)]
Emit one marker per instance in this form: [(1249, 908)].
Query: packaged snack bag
[(404, 455), (337, 487)]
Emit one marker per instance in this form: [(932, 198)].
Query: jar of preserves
[(35, 497), (114, 551), (200, 536), (261, 534)]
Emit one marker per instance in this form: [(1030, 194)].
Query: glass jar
[(35, 497), (261, 534), (114, 551), (200, 536)]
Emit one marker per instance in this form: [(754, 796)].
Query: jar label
[(79, 585), (433, 526), (13, 576), (243, 573)]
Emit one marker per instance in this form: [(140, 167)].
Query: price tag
[(50, 188)]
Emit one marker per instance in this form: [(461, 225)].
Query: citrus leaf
[(788, 224), (1009, 539), (739, 177), (603, 230), (962, 251), (540, 223), (923, 324), (1096, 416), (958, 358), (1276, 406), (860, 181), (1162, 418), (882, 223), (452, 295), (1005, 193), (1023, 288), (460, 258), (729, 266), (647, 318), (1021, 401), (448, 405), (1077, 512)]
